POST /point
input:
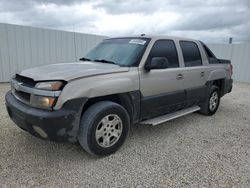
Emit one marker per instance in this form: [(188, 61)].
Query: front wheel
[(103, 128), (210, 106)]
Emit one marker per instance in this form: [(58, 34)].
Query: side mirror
[(157, 63)]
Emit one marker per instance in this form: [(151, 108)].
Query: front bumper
[(59, 125)]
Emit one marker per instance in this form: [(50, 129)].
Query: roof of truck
[(156, 37)]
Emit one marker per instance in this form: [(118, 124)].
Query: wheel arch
[(220, 83), (130, 101)]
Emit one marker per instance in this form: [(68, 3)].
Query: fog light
[(40, 131)]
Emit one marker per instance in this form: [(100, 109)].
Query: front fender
[(97, 86)]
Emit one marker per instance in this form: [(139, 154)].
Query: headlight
[(42, 101), (51, 86), (46, 102)]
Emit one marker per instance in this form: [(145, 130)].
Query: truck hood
[(71, 71)]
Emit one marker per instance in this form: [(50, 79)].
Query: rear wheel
[(210, 106), (103, 128)]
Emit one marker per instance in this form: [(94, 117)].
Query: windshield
[(120, 51)]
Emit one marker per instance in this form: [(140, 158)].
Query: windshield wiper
[(84, 59), (105, 61)]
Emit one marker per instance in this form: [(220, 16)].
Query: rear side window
[(191, 54), (165, 48)]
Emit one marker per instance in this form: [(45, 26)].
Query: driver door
[(162, 89)]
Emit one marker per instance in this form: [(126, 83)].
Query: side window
[(165, 48), (191, 54)]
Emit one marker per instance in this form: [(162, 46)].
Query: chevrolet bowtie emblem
[(17, 85)]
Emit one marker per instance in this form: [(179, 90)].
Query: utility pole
[(231, 48), (230, 40)]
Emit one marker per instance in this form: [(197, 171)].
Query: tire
[(103, 128), (207, 108)]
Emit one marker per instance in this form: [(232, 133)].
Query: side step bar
[(168, 117)]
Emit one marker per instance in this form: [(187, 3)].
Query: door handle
[(179, 76), (202, 74)]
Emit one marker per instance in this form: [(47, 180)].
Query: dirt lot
[(194, 150)]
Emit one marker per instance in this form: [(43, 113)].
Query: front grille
[(25, 80), (24, 97)]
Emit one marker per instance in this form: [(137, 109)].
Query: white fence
[(23, 47), (239, 54)]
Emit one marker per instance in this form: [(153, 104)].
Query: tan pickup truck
[(122, 81)]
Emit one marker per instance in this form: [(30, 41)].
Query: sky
[(212, 21)]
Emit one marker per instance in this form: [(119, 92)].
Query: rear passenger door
[(194, 72), (162, 91)]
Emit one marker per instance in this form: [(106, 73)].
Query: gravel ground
[(192, 151)]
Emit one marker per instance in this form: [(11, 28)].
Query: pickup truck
[(145, 80)]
